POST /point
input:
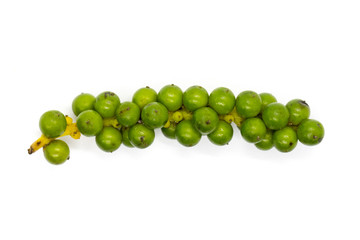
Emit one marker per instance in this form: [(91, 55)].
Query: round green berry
[(275, 116), (171, 97), (310, 132), (253, 130), (222, 134), (83, 102), (298, 111), (205, 120), (144, 96), (266, 143), (222, 100), (195, 97), (141, 136), (109, 139), (52, 123), (106, 104), (285, 140), (127, 114), (89, 123), (154, 115), (186, 134), (248, 104), (56, 152)]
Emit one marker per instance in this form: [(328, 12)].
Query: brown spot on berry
[(208, 122), (303, 103)]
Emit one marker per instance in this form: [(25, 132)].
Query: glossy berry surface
[(299, 110), (144, 96), (222, 134), (171, 96), (248, 104), (275, 116), (90, 123), (186, 134), (195, 97), (285, 140), (106, 104), (253, 130), (141, 136), (56, 152), (310, 132), (222, 100), (52, 123), (83, 102), (109, 139), (127, 114), (205, 120), (154, 115)]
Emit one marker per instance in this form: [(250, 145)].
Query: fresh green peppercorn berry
[(285, 140), (253, 130), (52, 123), (83, 102), (171, 97), (56, 152), (222, 100), (154, 115), (186, 134), (248, 104), (275, 116), (298, 110), (141, 136), (109, 139), (125, 137), (222, 134), (89, 123), (144, 96), (310, 132), (106, 104), (169, 132), (195, 97), (267, 142), (266, 99), (205, 120), (127, 114)]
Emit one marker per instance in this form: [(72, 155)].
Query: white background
[(51, 51)]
